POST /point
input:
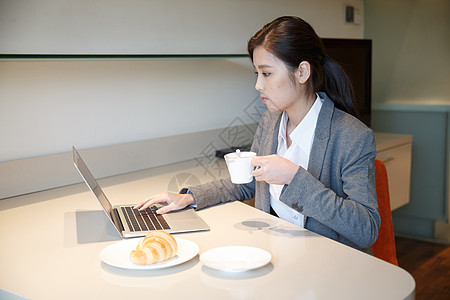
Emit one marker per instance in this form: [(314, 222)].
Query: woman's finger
[(166, 209), (160, 198), (256, 161)]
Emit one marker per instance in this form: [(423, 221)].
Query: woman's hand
[(274, 169), (173, 201)]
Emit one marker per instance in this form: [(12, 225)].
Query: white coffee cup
[(240, 167)]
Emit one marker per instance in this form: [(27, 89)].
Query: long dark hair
[(293, 40)]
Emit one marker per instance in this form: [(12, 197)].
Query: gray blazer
[(336, 194)]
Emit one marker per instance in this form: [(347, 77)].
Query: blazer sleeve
[(343, 198), (223, 190)]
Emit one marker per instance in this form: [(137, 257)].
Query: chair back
[(384, 247)]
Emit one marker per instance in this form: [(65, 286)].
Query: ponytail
[(337, 86)]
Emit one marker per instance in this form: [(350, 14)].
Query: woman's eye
[(263, 74)]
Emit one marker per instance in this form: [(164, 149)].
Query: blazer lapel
[(321, 137), (267, 149), (276, 129)]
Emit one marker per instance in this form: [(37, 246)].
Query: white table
[(51, 241)]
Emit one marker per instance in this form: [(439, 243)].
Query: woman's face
[(277, 89)]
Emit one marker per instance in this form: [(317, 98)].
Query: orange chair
[(384, 247)]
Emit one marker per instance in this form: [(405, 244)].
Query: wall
[(411, 50), (411, 88), (144, 106), (156, 26), (48, 106)]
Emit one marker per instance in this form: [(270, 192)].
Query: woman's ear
[(303, 72)]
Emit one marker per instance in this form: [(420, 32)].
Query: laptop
[(131, 222)]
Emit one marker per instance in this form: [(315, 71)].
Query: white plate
[(118, 255), (235, 258)]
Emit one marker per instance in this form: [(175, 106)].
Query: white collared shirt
[(302, 138)]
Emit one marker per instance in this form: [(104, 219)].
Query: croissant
[(156, 246)]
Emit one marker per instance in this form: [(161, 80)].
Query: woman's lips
[(264, 99)]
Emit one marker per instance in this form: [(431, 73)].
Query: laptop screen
[(91, 182)]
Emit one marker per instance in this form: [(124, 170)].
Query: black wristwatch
[(185, 191), (188, 191)]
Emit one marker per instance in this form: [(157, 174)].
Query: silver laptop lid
[(91, 182)]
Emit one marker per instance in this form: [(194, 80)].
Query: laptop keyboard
[(144, 220)]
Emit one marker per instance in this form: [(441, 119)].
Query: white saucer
[(235, 258)]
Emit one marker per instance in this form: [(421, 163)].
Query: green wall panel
[(428, 170)]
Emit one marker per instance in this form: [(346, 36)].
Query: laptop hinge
[(116, 218)]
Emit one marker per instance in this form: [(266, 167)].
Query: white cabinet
[(395, 151)]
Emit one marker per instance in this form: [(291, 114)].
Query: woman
[(315, 160)]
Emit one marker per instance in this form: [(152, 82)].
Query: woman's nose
[(258, 84)]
